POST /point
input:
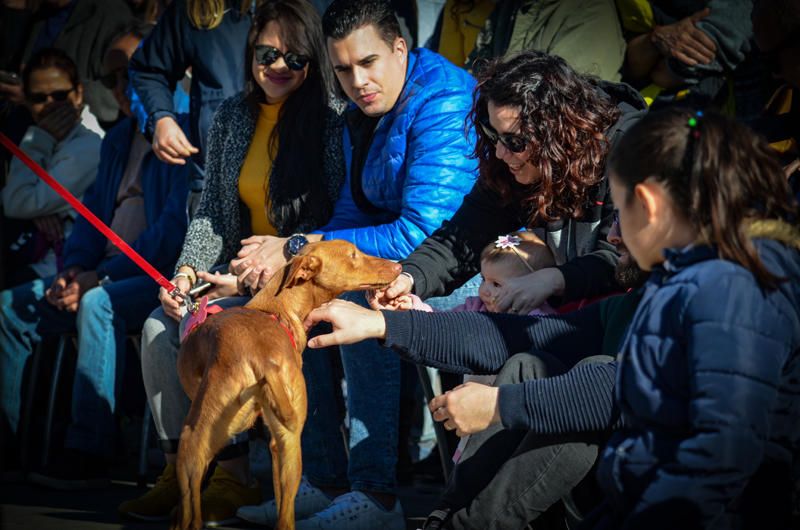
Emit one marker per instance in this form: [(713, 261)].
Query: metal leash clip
[(186, 298)]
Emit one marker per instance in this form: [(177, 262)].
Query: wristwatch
[(294, 243)]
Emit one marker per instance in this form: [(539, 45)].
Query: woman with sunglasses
[(543, 135), (66, 149), (274, 167)]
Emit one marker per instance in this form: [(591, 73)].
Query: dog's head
[(338, 266)]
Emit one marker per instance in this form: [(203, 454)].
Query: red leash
[(92, 218)]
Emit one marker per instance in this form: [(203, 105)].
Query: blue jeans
[(372, 373), (105, 315)]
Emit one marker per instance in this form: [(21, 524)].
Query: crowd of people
[(595, 205)]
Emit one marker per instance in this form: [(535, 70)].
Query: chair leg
[(51, 404), (147, 419), (438, 428), (27, 411)]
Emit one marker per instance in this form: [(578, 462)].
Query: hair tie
[(512, 242)]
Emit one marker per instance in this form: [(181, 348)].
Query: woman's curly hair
[(565, 117)]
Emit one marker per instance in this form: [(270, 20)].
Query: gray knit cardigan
[(215, 232)]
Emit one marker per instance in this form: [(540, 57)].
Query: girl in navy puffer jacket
[(708, 383)]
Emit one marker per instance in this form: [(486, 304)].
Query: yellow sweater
[(256, 169)]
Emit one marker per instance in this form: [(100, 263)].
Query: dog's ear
[(303, 268)]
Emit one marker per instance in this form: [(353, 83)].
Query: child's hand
[(401, 303)]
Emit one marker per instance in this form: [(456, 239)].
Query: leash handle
[(94, 221)]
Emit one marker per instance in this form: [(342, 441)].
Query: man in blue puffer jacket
[(408, 160)]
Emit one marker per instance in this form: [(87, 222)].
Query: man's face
[(627, 273), (371, 72), (115, 69)]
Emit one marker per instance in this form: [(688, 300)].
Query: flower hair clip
[(508, 241), (512, 242)]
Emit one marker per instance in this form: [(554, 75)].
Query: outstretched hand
[(468, 408), (351, 323), (386, 298)]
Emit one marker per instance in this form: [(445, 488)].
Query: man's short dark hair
[(50, 58), (345, 16)]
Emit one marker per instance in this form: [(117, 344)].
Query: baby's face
[(494, 276)]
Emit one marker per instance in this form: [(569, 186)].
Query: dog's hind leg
[(287, 394)]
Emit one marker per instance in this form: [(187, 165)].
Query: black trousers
[(505, 479)]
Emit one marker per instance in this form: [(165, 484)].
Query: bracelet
[(185, 275)]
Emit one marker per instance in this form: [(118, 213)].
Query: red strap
[(92, 218), (285, 328)]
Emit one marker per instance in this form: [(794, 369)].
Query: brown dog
[(247, 361)]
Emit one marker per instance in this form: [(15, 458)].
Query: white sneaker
[(309, 501), (355, 511)]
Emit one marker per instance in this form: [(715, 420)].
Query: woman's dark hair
[(345, 16), (50, 58), (563, 114), (297, 139), (720, 175)]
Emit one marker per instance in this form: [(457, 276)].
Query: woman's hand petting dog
[(351, 323), (468, 408), (387, 298)]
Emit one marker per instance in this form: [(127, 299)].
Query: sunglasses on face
[(513, 142), (56, 95), (111, 79), (266, 55)]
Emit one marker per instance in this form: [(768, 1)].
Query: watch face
[(296, 243)]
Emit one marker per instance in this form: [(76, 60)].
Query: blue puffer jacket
[(418, 167), (709, 388), (165, 188)]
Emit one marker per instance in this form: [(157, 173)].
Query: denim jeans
[(104, 316), (372, 374)]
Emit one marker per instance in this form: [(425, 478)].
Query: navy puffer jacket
[(709, 388)]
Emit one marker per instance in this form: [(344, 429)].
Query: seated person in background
[(689, 51), (65, 149), (408, 169), (585, 33), (776, 25), (274, 167), (100, 293), (553, 420)]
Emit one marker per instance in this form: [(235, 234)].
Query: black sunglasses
[(266, 55), (513, 142), (111, 79), (57, 95)]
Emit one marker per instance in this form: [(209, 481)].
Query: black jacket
[(451, 255)]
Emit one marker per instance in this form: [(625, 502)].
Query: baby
[(507, 257)]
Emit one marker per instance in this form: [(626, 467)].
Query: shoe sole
[(224, 522), (75, 485)]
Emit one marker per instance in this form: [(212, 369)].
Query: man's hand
[(172, 307), (223, 284), (684, 41), (468, 408), (170, 144), (58, 119), (50, 226), (386, 298), (73, 293), (12, 92), (351, 323), (54, 294), (523, 294)]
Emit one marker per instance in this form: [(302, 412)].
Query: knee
[(528, 366), (95, 302), (159, 339), (595, 359)]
